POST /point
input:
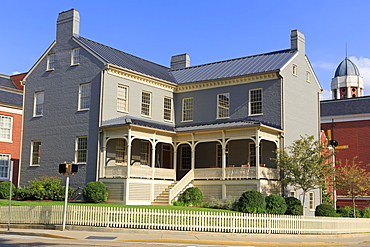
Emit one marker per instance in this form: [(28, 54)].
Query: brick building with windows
[(148, 131), (11, 97)]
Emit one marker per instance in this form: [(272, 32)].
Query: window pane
[(81, 152), (145, 103), (223, 102), (187, 114), (167, 109), (256, 101), (120, 150), (185, 157), (122, 98), (4, 165), (36, 152), (39, 103), (144, 154), (5, 128), (76, 56), (85, 96), (51, 62)]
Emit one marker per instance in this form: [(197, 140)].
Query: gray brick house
[(148, 131)]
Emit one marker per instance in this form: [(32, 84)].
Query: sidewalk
[(161, 236)]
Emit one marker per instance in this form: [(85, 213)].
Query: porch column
[(258, 168), (174, 161), (129, 147), (338, 93), (153, 159), (223, 161), (192, 157), (104, 160)]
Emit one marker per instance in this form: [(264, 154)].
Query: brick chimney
[(180, 61), (297, 41), (68, 23)]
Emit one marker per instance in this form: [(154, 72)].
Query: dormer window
[(51, 62), (75, 58)]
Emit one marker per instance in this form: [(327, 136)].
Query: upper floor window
[(187, 109), (38, 104), (223, 105), (6, 123), (51, 62), (81, 149), (36, 153), (294, 69), (146, 99), (75, 58), (122, 98), (84, 99), (4, 166), (308, 76), (255, 101), (167, 107)]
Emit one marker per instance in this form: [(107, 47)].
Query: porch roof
[(127, 120)]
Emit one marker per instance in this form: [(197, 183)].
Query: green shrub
[(294, 206), (191, 197), (5, 190), (343, 212), (325, 210), (348, 212), (275, 204), (366, 213), (44, 188), (95, 192), (251, 201), (226, 204)]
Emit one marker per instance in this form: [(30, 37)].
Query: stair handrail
[(185, 181)]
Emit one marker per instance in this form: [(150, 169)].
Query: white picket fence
[(182, 220)]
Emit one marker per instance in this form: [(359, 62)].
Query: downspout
[(21, 140), (282, 135)]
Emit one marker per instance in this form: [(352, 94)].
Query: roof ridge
[(78, 37), (233, 59)]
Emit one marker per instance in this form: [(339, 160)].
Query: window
[(120, 151), (219, 155), (144, 153), (51, 62), (4, 166), (252, 154), (6, 123), (39, 104), (308, 76), (255, 102), (167, 107), (36, 153), (145, 103), (312, 200), (84, 99), (294, 69), (185, 157), (75, 58), (81, 149), (223, 105), (292, 194), (187, 109), (122, 98)]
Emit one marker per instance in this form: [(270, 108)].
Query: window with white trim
[(167, 108), (81, 149), (6, 123), (292, 194), (223, 105), (39, 104), (4, 166), (144, 153), (36, 152), (187, 109), (255, 101), (308, 76), (146, 100), (122, 98), (50, 62), (84, 96), (120, 151), (311, 200), (219, 154), (185, 157), (253, 154), (75, 57)]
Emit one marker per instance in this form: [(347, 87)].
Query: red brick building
[(11, 98), (346, 119)]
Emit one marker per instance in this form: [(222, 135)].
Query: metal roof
[(125, 60), (235, 67), (6, 82), (348, 106), (11, 98), (346, 67), (124, 120)]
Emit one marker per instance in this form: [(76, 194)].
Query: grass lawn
[(4, 202)]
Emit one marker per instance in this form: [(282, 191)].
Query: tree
[(305, 164), (353, 181)]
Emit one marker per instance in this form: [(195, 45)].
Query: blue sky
[(207, 30)]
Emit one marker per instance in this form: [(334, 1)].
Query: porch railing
[(139, 172), (236, 173)]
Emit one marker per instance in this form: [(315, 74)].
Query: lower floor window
[(4, 165), (144, 154), (36, 152), (120, 151), (312, 200), (81, 149)]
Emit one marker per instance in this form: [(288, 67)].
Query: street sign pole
[(65, 204)]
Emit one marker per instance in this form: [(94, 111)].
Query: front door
[(167, 156)]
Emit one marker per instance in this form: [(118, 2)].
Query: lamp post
[(67, 169)]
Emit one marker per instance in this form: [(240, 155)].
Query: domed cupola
[(347, 82)]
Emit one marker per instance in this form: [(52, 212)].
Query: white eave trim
[(345, 118)]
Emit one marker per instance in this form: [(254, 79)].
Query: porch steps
[(162, 199)]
